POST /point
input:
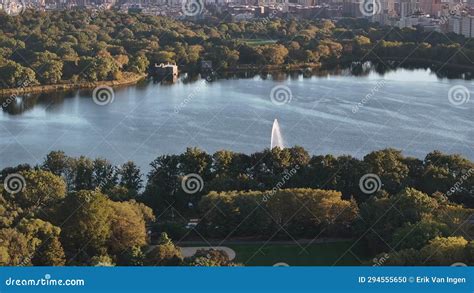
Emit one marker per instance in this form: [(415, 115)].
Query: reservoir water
[(330, 114)]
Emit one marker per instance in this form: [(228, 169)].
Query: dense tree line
[(78, 211), (304, 212), (44, 225), (228, 171), (447, 251), (74, 45)]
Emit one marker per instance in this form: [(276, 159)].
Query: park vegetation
[(76, 46), (79, 211)]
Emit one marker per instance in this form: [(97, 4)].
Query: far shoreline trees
[(44, 48)]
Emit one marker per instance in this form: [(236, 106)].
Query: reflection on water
[(27, 102), (410, 111), (21, 104)]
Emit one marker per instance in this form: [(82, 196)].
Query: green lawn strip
[(317, 254)]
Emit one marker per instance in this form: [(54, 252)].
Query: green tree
[(389, 166), (164, 254), (133, 256), (104, 175), (37, 231), (48, 67), (98, 68), (56, 162), (138, 64), (131, 178), (50, 253), (83, 169), (418, 234), (9, 211), (381, 215), (15, 75), (444, 251), (103, 260), (162, 183), (87, 216), (42, 189), (14, 249)]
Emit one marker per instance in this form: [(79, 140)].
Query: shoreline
[(133, 79)]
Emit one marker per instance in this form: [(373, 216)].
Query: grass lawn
[(257, 42), (320, 254)]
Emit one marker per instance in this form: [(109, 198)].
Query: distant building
[(431, 7), (351, 8), (463, 25), (421, 20), (163, 71)]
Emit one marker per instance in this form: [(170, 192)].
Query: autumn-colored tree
[(127, 227), (164, 254), (50, 253), (42, 189), (14, 249)]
